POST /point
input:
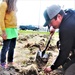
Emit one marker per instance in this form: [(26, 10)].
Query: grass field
[(35, 32), (31, 32)]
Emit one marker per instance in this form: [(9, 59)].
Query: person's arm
[(66, 45), (3, 8), (66, 40)]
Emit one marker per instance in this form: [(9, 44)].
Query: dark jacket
[(67, 38)]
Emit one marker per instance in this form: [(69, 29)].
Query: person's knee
[(70, 70)]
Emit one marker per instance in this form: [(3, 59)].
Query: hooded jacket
[(67, 38)]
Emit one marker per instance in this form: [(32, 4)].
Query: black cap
[(47, 19)]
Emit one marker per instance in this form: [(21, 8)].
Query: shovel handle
[(48, 42), (43, 52)]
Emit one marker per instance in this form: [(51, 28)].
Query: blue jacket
[(67, 38)]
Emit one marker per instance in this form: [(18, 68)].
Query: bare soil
[(25, 55)]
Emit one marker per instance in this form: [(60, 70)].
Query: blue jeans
[(8, 45)]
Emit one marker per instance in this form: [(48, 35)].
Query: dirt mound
[(25, 54)]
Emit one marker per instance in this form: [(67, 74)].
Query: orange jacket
[(7, 20)]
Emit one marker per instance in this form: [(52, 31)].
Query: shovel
[(43, 52), (42, 57)]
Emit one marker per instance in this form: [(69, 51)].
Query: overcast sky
[(31, 11)]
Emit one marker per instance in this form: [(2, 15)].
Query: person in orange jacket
[(8, 24)]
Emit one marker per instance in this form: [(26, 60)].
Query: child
[(8, 24)]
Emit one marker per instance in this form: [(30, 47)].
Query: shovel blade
[(41, 61)]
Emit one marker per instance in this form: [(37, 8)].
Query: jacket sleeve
[(66, 40), (3, 7)]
